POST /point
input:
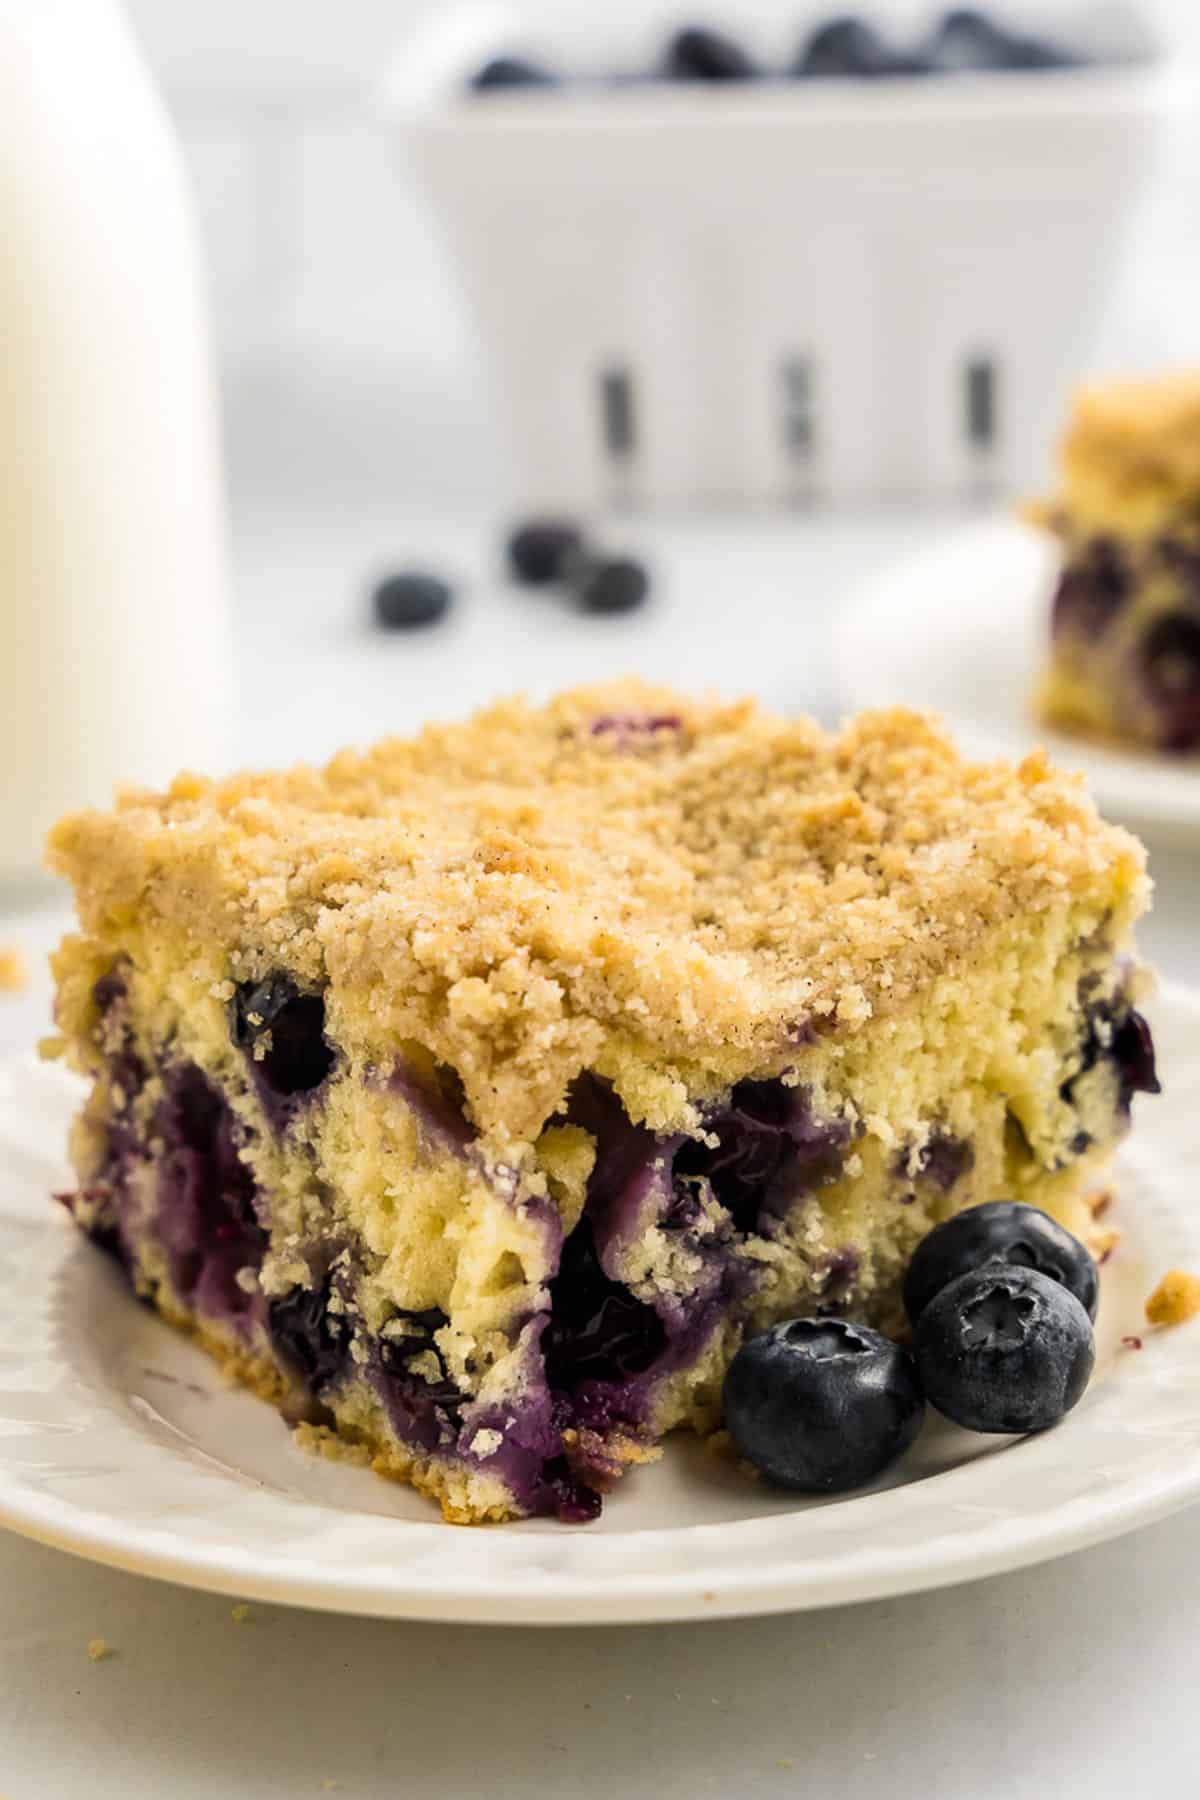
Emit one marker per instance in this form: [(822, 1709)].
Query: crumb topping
[(516, 891), (1175, 1300), (1130, 455)]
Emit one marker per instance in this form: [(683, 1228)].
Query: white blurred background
[(348, 369), (358, 437)]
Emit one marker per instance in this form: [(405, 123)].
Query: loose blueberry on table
[(410, 598), (851, 47), (967, 40), (540, 551), (610, 584)]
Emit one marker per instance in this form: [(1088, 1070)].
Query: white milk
[(113, 626)]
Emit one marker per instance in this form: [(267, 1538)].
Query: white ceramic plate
[(118, 1441), (962, 628)]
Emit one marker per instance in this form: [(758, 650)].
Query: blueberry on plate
[(541, 550), (1004, 1349), (609, 584), (821, 1405), (408, 598), (1002, 1231), (510, 72), (851, 47), (696, 54)]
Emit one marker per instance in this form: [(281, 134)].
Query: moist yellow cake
[(1125, 652), (472, 1097)]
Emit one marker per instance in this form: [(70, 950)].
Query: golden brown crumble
[(1175, 1300), (520, 891)]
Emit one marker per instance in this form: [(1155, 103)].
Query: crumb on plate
[(240, 1613), (1103, 1243), (1175, 1300), (99, 1648)]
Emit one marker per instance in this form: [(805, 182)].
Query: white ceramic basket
[(764, 292)]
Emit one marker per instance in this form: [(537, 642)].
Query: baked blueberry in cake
[(1125, 630), (474, 1098)]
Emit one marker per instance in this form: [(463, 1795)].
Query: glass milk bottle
[(113, 625)]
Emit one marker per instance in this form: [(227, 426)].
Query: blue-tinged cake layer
[(510, 1336)]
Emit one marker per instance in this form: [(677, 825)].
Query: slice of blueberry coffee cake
[(1125, 635), (472, 1098)]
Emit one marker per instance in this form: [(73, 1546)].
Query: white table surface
[(1077, 1679)]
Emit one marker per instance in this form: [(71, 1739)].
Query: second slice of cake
[(1125, 646), (473, 1097)]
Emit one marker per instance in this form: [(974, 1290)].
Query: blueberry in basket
[(822, 1405), (851, 47), (1004, 1349), (1004, 1232), (697, 54), (968, 40)]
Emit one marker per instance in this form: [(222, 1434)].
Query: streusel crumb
[(1175, 1300), (512, 891)]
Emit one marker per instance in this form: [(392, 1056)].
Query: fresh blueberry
[(609, 584), (851, 47), (696, 54), (822, 1405), (1002, 1231), (966, 40), (510, 72), (541, 550), (1004, 1349), (409, 598)]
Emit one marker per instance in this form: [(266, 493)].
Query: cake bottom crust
[(354, 1428)]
